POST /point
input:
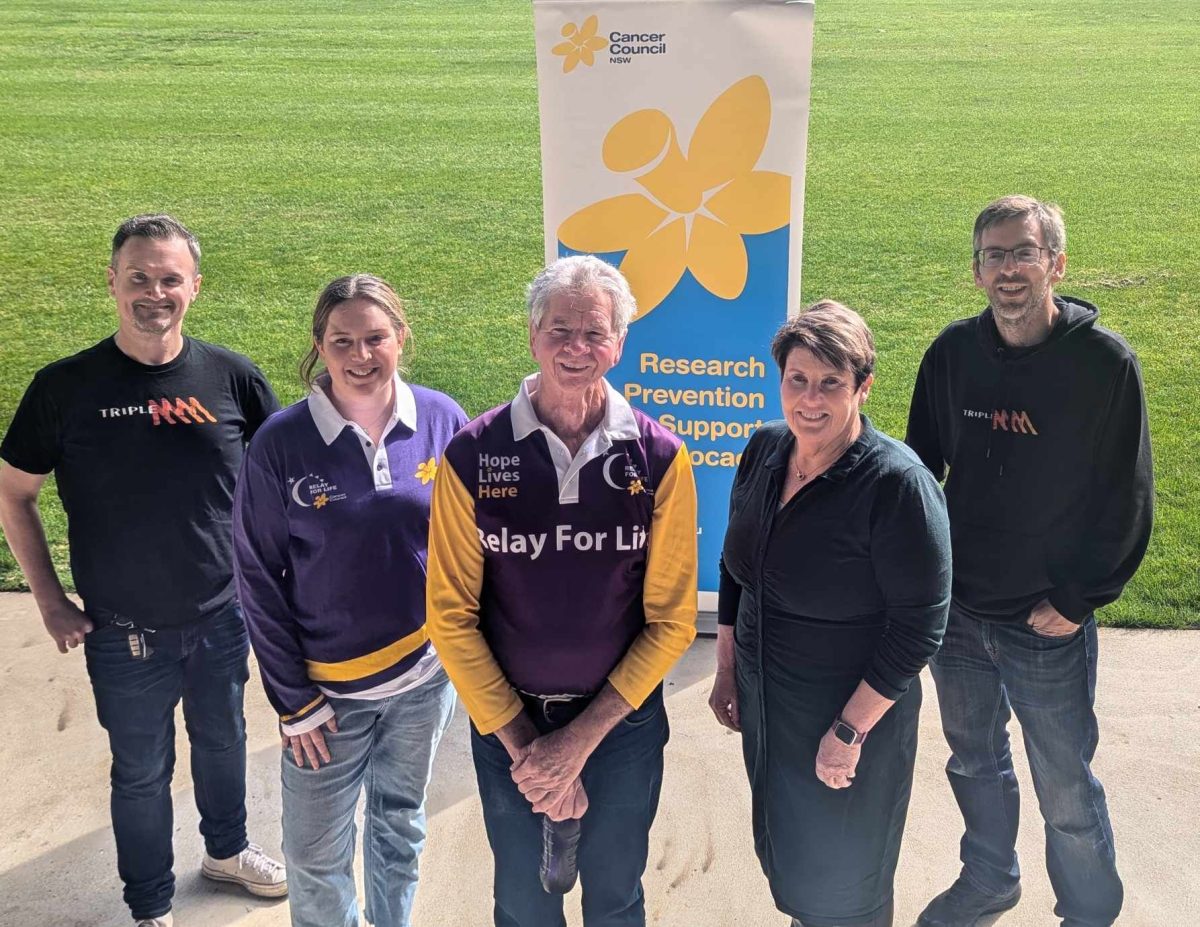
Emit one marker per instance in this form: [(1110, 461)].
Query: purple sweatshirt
[(330, 538)]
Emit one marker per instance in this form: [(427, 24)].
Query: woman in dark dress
[(835, 582)]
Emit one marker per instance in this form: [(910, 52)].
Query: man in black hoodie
[(1034, 416)]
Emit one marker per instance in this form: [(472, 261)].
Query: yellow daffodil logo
[(700, 204), (426, 471), (581, 44), (636, 487), (321, 501)]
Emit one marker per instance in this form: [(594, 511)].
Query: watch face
[(845, 733)]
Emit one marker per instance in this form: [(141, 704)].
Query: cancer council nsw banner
[(673, 143)]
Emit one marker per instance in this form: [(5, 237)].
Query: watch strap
[(841, 727)]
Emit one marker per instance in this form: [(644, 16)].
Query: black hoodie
[(1050, 487)]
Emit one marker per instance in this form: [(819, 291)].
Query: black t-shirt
[(145, 459)]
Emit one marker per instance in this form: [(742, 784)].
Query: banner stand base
[(706, 621)]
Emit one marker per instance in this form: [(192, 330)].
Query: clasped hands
[(547, 771)]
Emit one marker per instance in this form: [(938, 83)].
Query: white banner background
[(716, 286)]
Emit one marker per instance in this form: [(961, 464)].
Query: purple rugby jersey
[(564, 567), (330, 542)]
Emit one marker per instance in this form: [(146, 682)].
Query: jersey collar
[(618, 423), (329, 420)]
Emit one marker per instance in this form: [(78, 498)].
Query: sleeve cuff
[(887, 689), (1070, 603), (35, 468), (493, 724), (311, 723), (729, 597), (649, 659)]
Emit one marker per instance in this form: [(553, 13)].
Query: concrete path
[(57, 864)]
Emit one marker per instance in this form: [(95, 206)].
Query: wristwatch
[(847, 734)]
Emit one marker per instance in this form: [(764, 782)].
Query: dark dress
[(848, 581)]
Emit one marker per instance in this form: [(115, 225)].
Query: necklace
[(348, 414), (802, 476), (379, 421)]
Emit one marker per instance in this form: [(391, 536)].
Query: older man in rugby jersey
[(562, 587)]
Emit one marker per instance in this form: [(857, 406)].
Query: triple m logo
[(1016, 421), (164, 411)]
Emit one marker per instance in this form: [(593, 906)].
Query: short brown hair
[(832, 332), (157, 226), (1048, 215), (343, 289)]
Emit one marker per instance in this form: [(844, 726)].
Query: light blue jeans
[(388, 746)]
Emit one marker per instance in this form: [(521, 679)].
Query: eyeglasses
[(995, 257)]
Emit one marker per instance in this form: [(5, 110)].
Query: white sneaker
[(163, 920), (252, 869)]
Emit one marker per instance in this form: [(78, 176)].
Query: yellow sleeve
[(669, 592), (455, 577)]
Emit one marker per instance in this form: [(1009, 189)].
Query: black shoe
[(962, 905)]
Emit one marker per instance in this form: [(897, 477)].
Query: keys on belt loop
[(139, 646)]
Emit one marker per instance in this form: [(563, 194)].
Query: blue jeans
[(386, 745), (985, 671), (622, 779), (205, 665)]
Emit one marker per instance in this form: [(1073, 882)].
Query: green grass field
[(302, 140)]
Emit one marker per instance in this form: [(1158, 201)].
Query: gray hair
[(580, 275), (160, 227), (1048, 215)]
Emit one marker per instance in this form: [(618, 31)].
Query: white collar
[(329, 420), (619, 423)]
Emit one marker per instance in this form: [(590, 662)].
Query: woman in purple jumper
[(330, 532)]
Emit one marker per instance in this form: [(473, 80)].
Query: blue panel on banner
[(702, 366)]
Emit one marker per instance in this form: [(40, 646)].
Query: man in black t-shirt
[(145, 433)]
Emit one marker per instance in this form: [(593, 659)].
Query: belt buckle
[(550, 701)]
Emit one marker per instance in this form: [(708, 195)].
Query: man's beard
[(1035, 298), (153, 321)]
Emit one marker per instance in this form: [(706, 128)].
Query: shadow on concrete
[(57, 864), (75, 884)]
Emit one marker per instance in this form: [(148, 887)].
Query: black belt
[(104, 618), (554, 710)]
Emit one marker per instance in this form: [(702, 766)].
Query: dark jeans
[(884, 917), (205, 665), (984, 672), (622, 779)]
